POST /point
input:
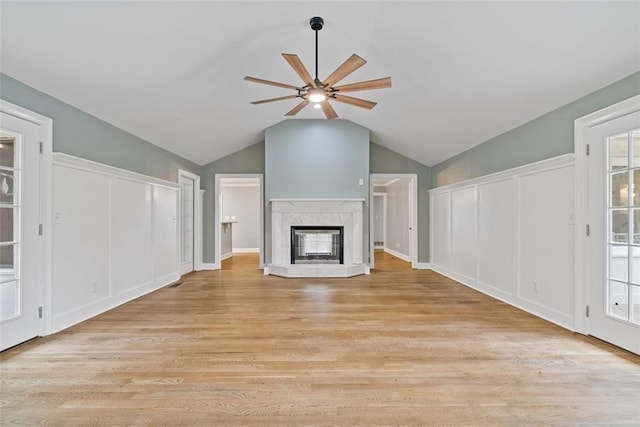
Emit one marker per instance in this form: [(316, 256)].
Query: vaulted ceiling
[(463, 72)]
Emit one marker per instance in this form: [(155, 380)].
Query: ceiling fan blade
[(328, 110), (299, 68), (280, 98), (368, 85), (295, 110), (362, 103), (269, 82), (347, 67)]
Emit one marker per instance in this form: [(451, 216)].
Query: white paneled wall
[(510, 235), (115, 238)]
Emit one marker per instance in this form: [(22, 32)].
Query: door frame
[(413, 203), (581, 200), (218, 214), (384, 212), (197, 217), (46, 243)]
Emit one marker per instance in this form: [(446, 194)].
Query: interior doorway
[(239, 221), (393, 219)]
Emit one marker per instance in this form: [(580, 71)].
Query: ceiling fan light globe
[(317, 95)]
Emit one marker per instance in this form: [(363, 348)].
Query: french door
[(20, 253), (613, 248)]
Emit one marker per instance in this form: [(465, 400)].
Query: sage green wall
[(547, 136), (248, 160), (82, 135), (383, 160)]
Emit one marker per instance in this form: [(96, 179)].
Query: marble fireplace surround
[(326, 212)]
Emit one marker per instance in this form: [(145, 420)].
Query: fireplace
[(313, 244), (342, 217)]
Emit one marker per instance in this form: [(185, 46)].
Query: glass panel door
[(613, 246), (20, 252), (623, 245)]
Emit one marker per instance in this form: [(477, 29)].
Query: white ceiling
[(463, 72)]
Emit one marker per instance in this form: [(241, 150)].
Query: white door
[(20, 267), (187, 199), (613, 248)]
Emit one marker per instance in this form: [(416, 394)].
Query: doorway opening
[(239, 221), (393, 216)]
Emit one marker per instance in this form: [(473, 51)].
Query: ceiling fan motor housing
[(316, 23)]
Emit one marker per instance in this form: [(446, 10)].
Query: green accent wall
[(248, 160), (547, 136), (383, 160), (82, 135)]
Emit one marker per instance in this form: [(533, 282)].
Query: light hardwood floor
[(398, 347)]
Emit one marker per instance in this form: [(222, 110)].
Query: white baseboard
[(208, 266), (225, 256), (422, 266), (246, 250), (397, 254)]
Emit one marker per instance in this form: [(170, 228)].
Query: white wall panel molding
[(95, 167), (510, 236), (115, 237)]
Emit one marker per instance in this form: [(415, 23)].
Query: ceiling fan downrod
[(316, 25)]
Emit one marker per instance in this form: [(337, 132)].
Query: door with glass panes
[(20, 252), (613, 247)]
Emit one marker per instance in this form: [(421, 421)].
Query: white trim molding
[(581, 128), (397, 254)]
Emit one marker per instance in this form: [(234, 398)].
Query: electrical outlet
[(57, 218)]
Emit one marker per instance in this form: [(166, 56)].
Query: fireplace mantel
[(320, 212)]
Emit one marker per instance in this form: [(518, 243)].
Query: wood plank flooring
[(398, 347)]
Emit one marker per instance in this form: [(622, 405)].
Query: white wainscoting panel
[(132, 232), (510, 235), (115, 237), (81, 226), (496, 235), (441, 229), (464, 231), (546, 241)]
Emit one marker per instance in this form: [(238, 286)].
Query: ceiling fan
[(320, 92)]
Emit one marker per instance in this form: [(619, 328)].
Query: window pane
[(7, 186), (7, 157), (635, 230), (6, 224), (636, 149), (619, 262), (635, 194), (619, 152), (618, 300), (9, 303), (635, 301), (619, 189), (620, 226)]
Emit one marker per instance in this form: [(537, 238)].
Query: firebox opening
[(317, 244)]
